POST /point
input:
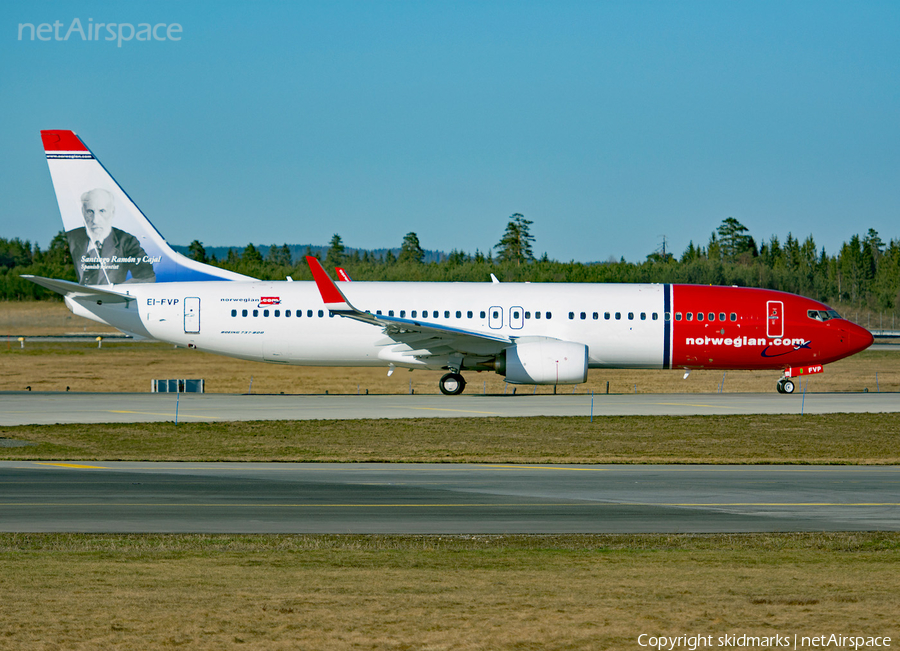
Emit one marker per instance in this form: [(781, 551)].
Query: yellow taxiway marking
[(256, 505), (71, 465), (494, 465), (688, 404), (153, 413), (689, 468), (461, 411)]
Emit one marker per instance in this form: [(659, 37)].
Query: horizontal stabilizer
[(74, 290)]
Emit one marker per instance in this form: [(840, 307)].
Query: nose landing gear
[(785, 385), (452, 384)]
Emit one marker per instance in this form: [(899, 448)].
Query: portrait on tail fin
[(104, 254), (111, 240)]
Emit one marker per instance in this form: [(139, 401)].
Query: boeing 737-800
[(532, 333)]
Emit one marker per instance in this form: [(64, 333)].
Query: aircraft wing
[(74, 290), (412, 338)]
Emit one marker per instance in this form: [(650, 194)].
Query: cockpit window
[(822, 315)]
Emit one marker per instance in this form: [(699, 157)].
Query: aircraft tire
[(452, 384), (785, 385)]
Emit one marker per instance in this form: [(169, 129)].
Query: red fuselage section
[(744, 328)]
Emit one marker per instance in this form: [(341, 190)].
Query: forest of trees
[(864, 274)]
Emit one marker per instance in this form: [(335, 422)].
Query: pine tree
[(515, 246), (197, 251), (335, 255), (411, 250)]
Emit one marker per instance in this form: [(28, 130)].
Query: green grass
[(793, 439), (438, 592)]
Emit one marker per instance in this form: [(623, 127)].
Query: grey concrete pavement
[(20, 408), (443, 498)]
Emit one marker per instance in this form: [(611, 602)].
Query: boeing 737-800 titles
[(532, 333)]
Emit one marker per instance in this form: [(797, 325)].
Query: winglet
[(342, 275), (333, 298)]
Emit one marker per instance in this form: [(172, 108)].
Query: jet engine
[(545, 361)]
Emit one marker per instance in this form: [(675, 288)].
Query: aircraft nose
[(857, 337)]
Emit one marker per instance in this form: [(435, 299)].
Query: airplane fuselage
[(541, 333), (652, 326)]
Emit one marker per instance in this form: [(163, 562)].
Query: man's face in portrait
[(98, 209)]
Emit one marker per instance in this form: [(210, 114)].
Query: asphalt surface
[(22, 408), (442, 498)]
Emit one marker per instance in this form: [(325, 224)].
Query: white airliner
[(533, 333)]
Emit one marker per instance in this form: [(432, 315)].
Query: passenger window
[(390, 312), (265, 312), (528, 315), (618, 316), (277, 312), (537, 315), (712, 316), (255, 312), (643, 316), (548, 315), (446, 314), (378, 312), (516, 314), (287, 312), (596, 316), (495, 314), (483, 314), (669, 316), (322, 313), (721, 316), (233, 312), (689, 316), (402, 314), (413, 314), (458, 314), (571, 315), (469, 314), (677, 316), (606, 315), (655, 316), (699, 316), (733, 316), (309, 313), (243, 312), (631, 316), (435, 314), (583, 316)]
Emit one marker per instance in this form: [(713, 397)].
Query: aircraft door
[(774, 319), (192, 315), (516, 317), (495, 317)]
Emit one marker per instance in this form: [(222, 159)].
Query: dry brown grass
[(420, 592), (793, 439), (19, 318)]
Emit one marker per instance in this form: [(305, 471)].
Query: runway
[(442, 498), (24, 407)]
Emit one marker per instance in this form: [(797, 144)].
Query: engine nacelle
[(545, 361)]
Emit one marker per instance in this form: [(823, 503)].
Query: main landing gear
[(452, 384), (785, 385)]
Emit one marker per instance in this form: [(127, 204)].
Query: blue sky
[(608, 124)]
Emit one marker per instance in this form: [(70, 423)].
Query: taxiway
[(443, 498), (25, 408)]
